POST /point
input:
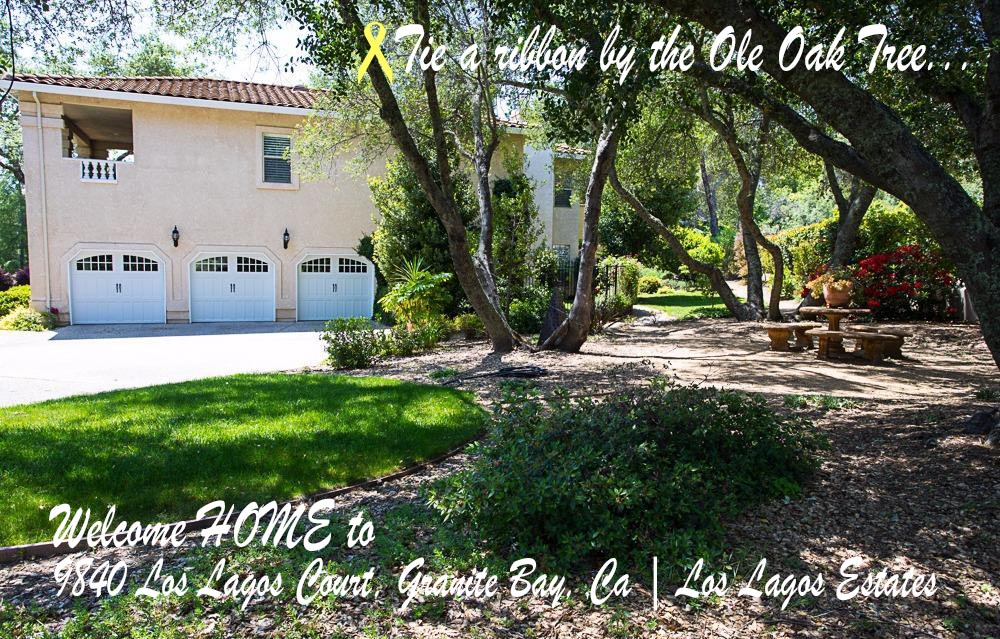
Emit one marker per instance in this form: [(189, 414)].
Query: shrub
[(648, 471), (470, 325), (404, 341), (526, 314), (352, 342), (908, 283), (6, 280), (621, 275), (24, 318), (13, 298), (416, 294), (649, 284), (701, 247), (22, 277)]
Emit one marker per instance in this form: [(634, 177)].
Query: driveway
[(89, 359)]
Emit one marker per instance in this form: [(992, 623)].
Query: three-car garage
[(119, 287)]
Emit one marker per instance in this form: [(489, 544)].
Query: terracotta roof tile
[(195, 88)]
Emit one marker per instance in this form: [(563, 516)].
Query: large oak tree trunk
[(439, 194), (573, 332)]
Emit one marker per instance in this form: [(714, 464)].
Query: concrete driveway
[(89, 359)]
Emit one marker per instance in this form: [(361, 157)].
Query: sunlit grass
[(159, 453), (684, 304)]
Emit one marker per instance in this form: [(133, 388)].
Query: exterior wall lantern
[(175, 235), (285, 238)]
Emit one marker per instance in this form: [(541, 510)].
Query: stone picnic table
[(874, 343), (833, 314)]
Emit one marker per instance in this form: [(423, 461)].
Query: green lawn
[(683, 304), (161, 452)]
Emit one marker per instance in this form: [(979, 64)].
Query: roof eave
[(127, 96)]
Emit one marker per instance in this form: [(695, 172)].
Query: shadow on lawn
[(161, 453)]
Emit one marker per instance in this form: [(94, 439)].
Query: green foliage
[(416, 294), (621, 274), (407, 227), (887, 226), (519, 257), (649, 284), (355, 343), (14, 298), (648, 471), (807, 249), (470, 325), (700, 246), (24, 318), (13, 227), (154, 57), (527, 313), (404, 341), (352, 342)]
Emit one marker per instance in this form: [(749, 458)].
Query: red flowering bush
[(907, 283)]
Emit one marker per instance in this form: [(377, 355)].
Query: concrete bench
[(891, 349), (872, 344), (780, 334)]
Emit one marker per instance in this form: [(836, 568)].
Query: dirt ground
[(901, 486)]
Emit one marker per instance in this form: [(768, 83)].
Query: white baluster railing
[(105, 171)]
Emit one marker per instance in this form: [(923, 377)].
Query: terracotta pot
[(837, 297)]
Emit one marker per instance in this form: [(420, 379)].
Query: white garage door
[(116, 288), (332, 287), (232, 288)]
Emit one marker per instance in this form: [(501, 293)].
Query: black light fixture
[(285, 238), (175, 235)]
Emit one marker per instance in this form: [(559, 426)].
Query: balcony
[(99, 139), (101, 171)]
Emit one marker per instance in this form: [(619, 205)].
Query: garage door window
[(95, 263), (250, 265), (212, 265), (135, 263), (320, 265), (346, 265)]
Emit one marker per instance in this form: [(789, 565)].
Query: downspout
[(44, 202)]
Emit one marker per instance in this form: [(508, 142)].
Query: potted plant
[(836, 285)]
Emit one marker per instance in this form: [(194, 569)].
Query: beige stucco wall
[(196, 168)]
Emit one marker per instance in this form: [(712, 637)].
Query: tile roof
[(204, 89), (194, 88)]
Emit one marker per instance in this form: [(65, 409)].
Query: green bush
[(13, 298), (885, 228), (649, 284), (416, 294), (526, 314), (700, 247), (648, 471), (628, 271), (470, 325), (24, 318), (404, 341), (352, 342)]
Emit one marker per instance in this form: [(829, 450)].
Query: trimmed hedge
[(14, 298)]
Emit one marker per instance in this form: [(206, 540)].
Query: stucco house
[(173, 200)]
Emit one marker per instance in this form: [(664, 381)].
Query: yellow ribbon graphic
[(375, 51)]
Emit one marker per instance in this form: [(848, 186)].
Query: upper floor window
[(277, 163), (274, 162), (563, 191)]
